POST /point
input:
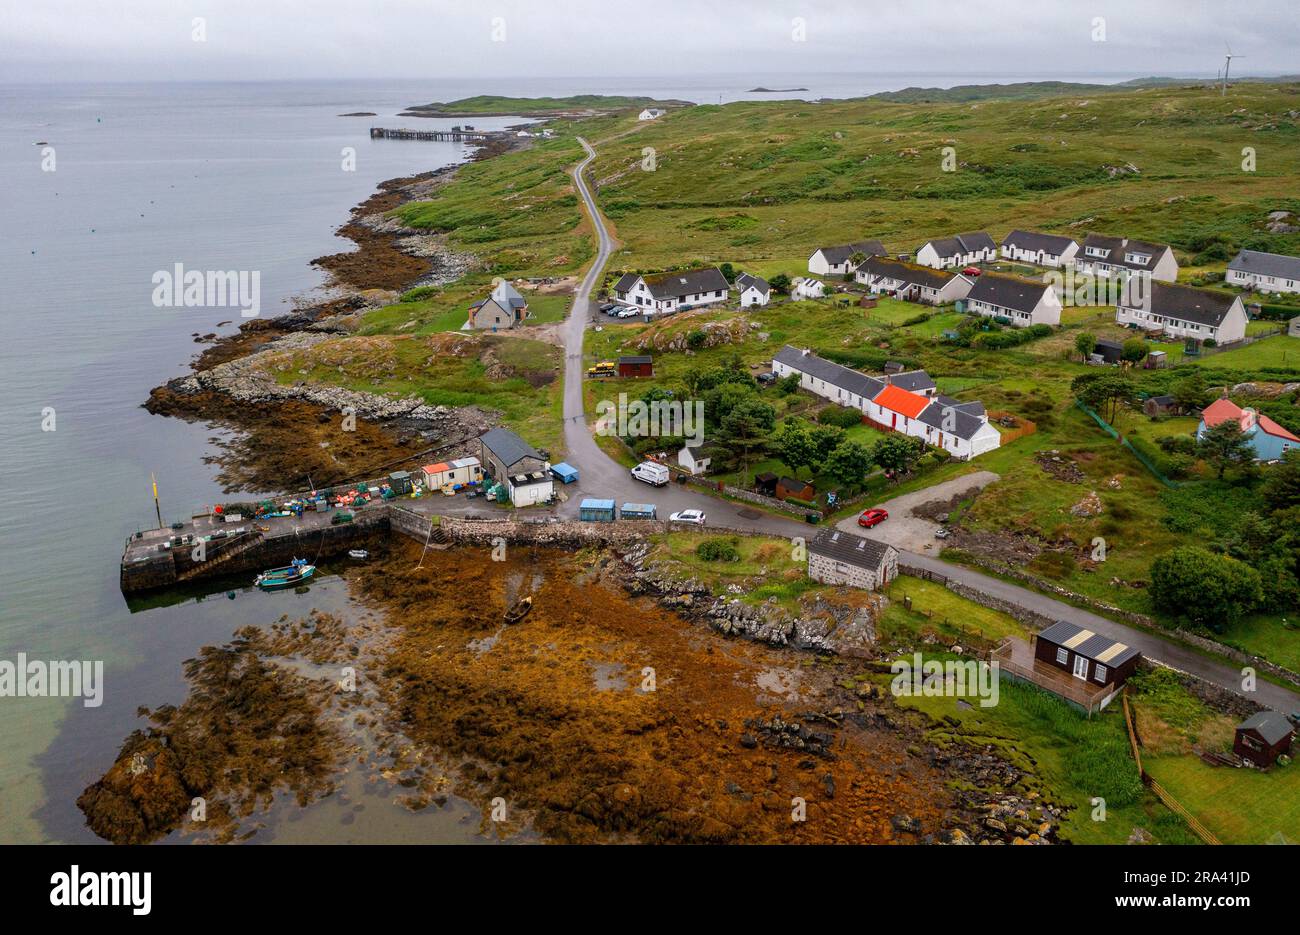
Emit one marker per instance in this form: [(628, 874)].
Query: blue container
[(592, 510), (638, 511), (564, 472)]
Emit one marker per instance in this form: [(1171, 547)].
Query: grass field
[(1278, 351), (1241, 806)]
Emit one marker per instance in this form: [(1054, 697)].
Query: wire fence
[(1142, 458)]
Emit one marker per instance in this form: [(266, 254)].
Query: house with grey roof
[(961, 429), (838, 557), (1023, 302), (838, 261), (511, 461), (1264, 272), (1182, 311), (753, 290), (958, 250), (1039, 249), (673, 292), (827, 379), (914, 381), (1263, 737), (911, 281), (1100, 255), (504, 308)]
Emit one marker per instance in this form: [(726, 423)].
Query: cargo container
[(592, 510), (638, 511), (564, 472)]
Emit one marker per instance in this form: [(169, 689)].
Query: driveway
[(908, 532)]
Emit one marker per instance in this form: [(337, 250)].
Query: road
[(602, 476)]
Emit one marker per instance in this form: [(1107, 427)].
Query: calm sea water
[(216, 177)]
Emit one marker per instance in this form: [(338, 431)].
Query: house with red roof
[(1270, 440)]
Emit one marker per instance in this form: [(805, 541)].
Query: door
[(1081, 667)]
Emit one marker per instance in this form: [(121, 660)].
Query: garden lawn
[(1240, 806)]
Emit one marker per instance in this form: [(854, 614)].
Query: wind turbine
[(1227, 63)]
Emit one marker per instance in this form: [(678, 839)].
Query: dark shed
[(795, 489), (637, 366), (1263, 737)]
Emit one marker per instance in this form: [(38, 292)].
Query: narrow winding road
[(602, 476)]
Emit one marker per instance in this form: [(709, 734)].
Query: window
[(1062, 655), (1100, 673)]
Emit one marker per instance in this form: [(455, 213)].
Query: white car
[(628, 312), (696, 517)]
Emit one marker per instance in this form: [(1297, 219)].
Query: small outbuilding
[(1110, 352), (641, 365), (400, 481), (765, 483), (791, 488), (564, 472), (1263, 737), (693, 459), (531, 489), (637, 511), (1160, 406)]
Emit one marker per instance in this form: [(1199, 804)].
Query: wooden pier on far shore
[(454, 135)]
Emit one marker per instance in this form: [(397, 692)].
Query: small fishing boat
[(296, 573), (358, 553), (519, 611)]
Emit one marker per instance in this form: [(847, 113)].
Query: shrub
[(1203, 587), (718, 550), (695, 340), (844, 417)]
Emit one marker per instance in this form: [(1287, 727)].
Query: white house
[(693, 460), (1264, 272), (835, 261), (837, 557), (753, 290), (807, 288), (903, 402), (1183, 312), (532, 488), (650, 113), (1119, 256), (958, 250), (671, 292), (1039, 249), (912, 282), (1023, 301)]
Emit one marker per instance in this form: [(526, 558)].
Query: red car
[(871, 518), (971, 271)]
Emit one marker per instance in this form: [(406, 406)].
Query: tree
[(1134, 351), (857, 259), (780, 283), (1085, 342), (691, 380), (1225, 445), (747, 427), (848, 463), (825, 439), (1105, 392), (728, 271), (898, 453), (1281, 490), (793, 445), (1203, 587), (789, 383), (1189, 392)]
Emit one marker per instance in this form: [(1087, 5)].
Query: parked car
[(689, 516), (875, 517), (656, 475), (629, 312), (608, 307), (942, 532), (971, 271), (766, 377)]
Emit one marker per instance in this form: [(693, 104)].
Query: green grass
[(767, 568), (1070, 759), (934, 606), (1240, 806), (1278, 351), (516, 376)]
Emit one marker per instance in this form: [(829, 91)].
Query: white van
[(656, 475)]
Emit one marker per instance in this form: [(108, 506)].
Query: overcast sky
[(43, 40)]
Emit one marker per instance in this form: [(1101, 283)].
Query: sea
[(106, 187)]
